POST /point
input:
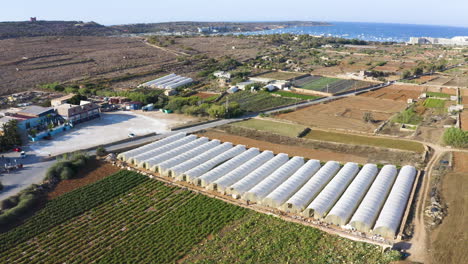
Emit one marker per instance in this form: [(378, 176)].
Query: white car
[(130, 135)]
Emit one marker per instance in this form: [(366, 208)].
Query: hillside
[(53, 28), (79, 28)]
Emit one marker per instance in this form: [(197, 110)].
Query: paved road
[(32, 173)]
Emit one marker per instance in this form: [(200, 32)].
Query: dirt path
[(176, 53), (418, 251)]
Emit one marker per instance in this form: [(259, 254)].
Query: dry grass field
[(396, 92), (346, 114), (449, 240), (27, 62)]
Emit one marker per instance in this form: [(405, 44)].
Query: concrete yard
[(109, 128)]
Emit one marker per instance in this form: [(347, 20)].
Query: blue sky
[(432, 12)]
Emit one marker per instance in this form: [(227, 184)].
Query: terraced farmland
[(256, 102), (158, 223), (328, 85)]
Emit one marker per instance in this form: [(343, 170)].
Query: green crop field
[(434, 103), (258, 238), (319, 84), (295, 95), (152, 222), (435, 94), (254, 102), (289, 130)]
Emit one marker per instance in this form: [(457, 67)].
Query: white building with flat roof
[(455, 41)]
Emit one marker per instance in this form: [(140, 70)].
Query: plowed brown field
[(346, 114), (93, 172), (396, 92)]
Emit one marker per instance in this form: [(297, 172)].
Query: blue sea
[(373, 31)]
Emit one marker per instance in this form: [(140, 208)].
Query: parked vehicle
[(131, 135)]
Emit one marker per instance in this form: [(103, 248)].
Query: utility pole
[(227, 105)]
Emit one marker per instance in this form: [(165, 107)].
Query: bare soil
[(464, 120), (449, 240), (93, 172), (280, 148), (346, 114), (28, 62), (396, 92)]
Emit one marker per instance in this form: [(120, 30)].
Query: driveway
[(33, 172), (109, 128)]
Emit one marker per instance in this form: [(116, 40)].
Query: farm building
[(211, 176), (238, 173), (394, 207), (168, 82), (328, 196), (349, 201), (262, 189), (253, 178), (364, 217), (199, 170), (342, 195), (302, 198), (165, 167), (152, 161), (178, 171), (283, 192)]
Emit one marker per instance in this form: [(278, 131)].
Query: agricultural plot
[(295, 95), (251, 242), (440, 81), (434, 103), (424, 79), (464, 120), (157, 223), (292, 130), (292, 185), (254, 102), (447, 244), (280, 75), (330, 85), (346, 114), (135, 227), (443, 90), (396, 92)]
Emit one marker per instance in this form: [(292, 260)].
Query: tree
[(418, 71), (217, 111), (11, 136), (406, 74), (101, 151), (367, 117), (76, 99)]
